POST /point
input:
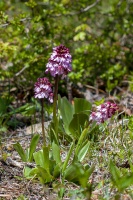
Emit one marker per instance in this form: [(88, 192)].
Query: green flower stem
[(43, 121), (55, 98)]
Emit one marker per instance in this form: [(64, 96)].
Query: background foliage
[(98, 33)]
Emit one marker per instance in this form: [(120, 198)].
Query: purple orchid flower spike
[(103, 112), (42, 89), (59, 62)]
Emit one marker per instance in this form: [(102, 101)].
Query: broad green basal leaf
[(77, 124), (66, 111), (82, 105), (33, 145)]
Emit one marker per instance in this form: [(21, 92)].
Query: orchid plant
[(59, 65), (43, 89), (75, 121)]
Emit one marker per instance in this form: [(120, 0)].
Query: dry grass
[(113, 143)]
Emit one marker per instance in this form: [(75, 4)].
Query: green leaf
[(80, 141), (3, 129), (82, 105), (84, 179), (66, 111), (33, 145), (57, 170), (119, 180), (20, 109), (52, 165), (53, 132), (29, 110), (78, 174), (41, 174), (26, 172), (56, 153), (82, 153), (39, 158), (27, 154), (116, 174), (68, 157), (20, 151), (42, 158), (80, 36), (44, 175), (34, 172), (77, 124), (46, 158), (125, 181), (4, 103), (73, 172)]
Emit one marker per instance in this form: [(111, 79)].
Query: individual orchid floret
[(103, 112), (51, 97), (59, 62), (43, 89)]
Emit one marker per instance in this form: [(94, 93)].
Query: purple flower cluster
[(103, 112), (42, 89), (59, 62)]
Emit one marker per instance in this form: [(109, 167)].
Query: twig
[(91, 6), (59, 15), (14, 163), (8, 23), (82, 10), (5, 195), (18, 73)]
